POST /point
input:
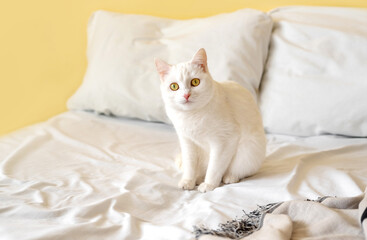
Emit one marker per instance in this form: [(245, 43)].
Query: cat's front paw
[(206, 187), (187, 184)]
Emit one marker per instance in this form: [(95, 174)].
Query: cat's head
[(186, 86)]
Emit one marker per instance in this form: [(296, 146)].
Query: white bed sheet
[(83, 176)]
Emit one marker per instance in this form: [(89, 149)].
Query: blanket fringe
[(239, 227), (244, 226)]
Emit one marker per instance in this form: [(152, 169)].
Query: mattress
[(86, 176)]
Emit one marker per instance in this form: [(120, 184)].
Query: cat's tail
[(178, 161)]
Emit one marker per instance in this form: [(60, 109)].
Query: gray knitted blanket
[(324, 218)]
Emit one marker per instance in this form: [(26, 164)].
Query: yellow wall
[(43, 45)]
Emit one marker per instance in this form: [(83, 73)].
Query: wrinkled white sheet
[(82, 176)]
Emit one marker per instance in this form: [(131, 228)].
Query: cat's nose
[(186, 96)]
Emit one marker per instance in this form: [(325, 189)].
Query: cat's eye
[(174, 86), (195, 82)]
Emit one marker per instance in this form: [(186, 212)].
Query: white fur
[(220, 128)]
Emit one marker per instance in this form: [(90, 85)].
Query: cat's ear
[(162, 67), (200, 59)]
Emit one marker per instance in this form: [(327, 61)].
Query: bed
[(84, 176), (104, 172)]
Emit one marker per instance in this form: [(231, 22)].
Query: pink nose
[(186, 96)]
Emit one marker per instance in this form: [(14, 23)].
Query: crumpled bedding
[(84, 176)]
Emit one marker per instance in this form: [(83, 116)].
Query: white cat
[(218, 124)]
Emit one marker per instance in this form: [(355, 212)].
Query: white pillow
[(121, 78), (315, 79)]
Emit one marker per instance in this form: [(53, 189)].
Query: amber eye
[(195, 82), (174, 86)]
